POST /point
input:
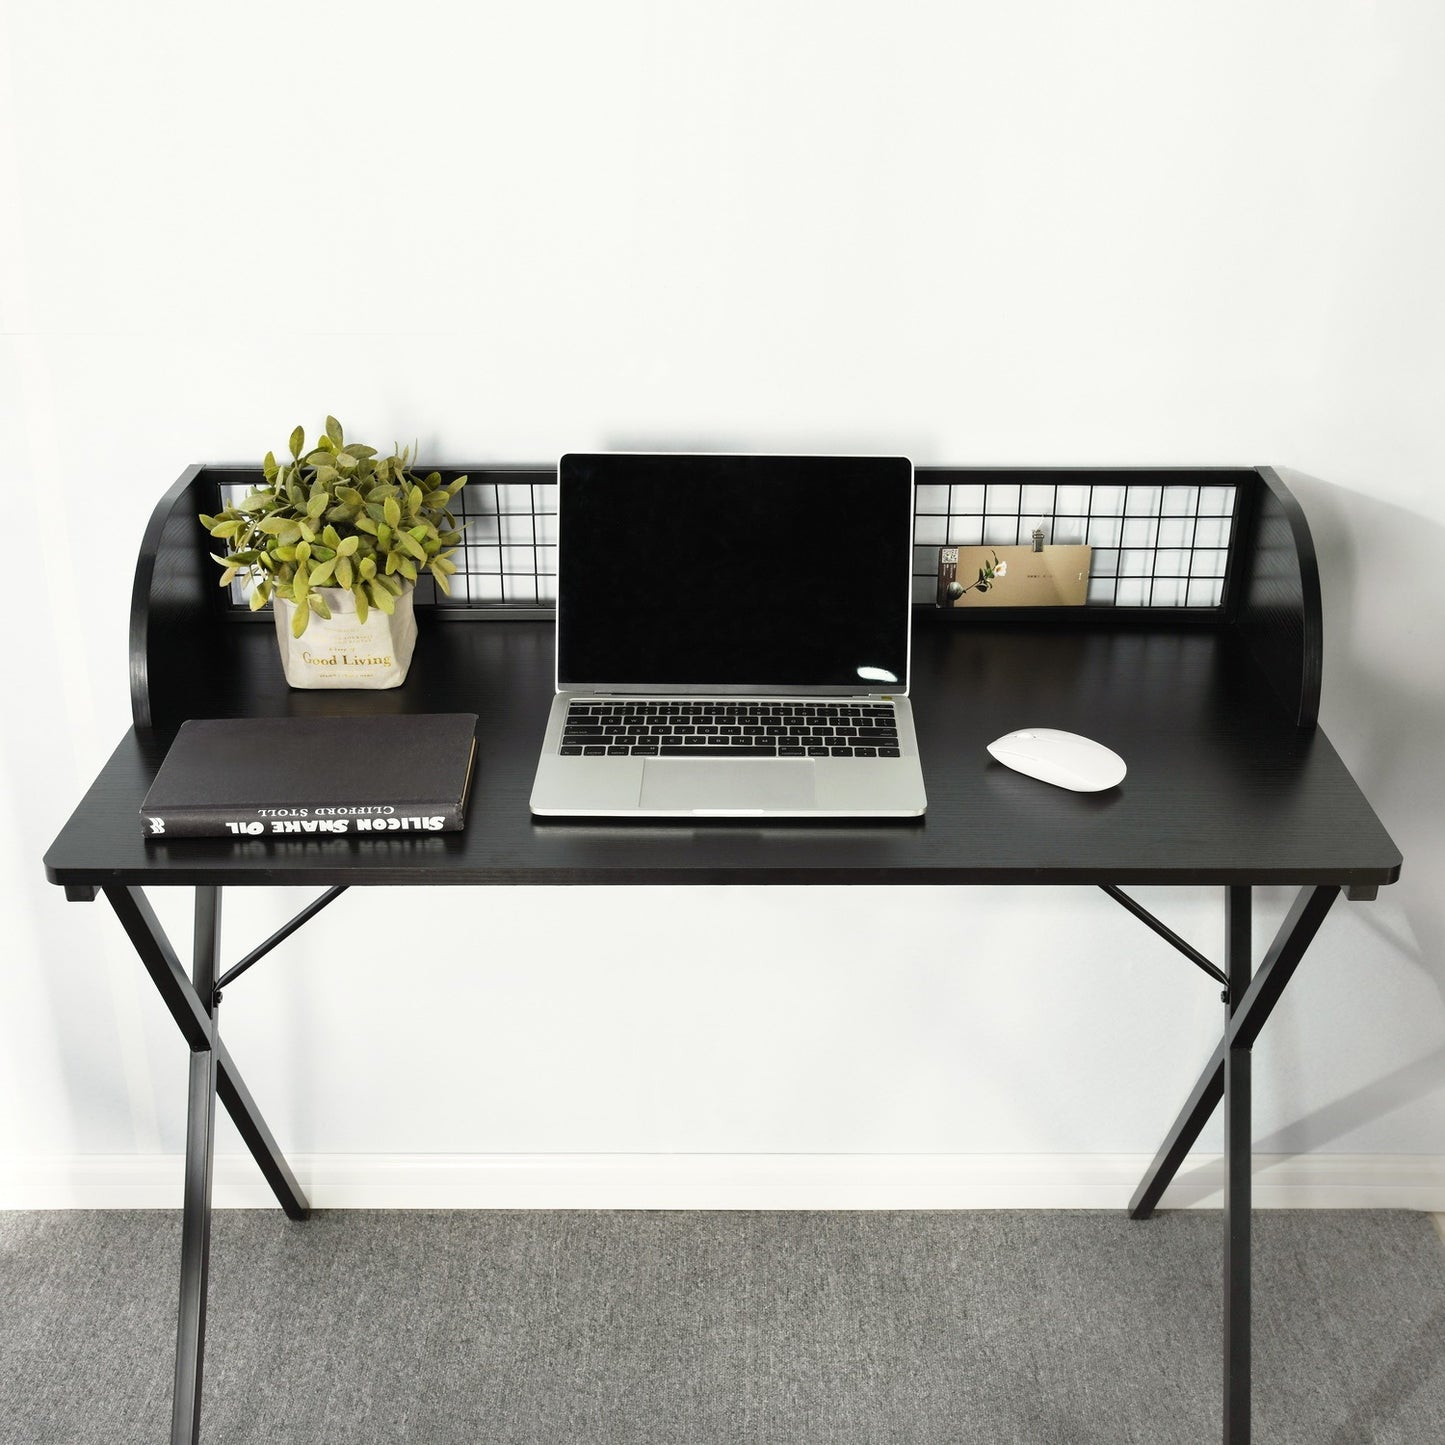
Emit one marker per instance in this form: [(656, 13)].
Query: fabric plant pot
[(343, 651)]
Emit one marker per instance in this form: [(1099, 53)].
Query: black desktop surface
[(1223, 787)]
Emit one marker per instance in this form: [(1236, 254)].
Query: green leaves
[(338, 515)]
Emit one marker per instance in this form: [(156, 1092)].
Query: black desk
[(1224, 788)]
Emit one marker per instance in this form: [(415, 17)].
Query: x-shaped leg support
[(1227, 1077), (193, 1004)]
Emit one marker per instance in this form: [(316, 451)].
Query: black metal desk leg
[(193, 1018), (236, 1097), (1237, 1152), (193, 1004), (1295, 935), (1227, 1075), (200, 1153)]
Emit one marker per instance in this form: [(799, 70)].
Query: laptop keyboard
[(651, 727)]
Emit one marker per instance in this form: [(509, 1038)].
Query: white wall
[(1043, 232)]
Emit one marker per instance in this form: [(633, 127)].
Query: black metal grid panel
[(1155, 545), (508, 553)]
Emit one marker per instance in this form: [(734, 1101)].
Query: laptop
[(732, 639)]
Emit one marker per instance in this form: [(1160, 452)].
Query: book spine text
[(364, 821)]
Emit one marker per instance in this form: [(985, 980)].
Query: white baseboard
[(724, 1181)]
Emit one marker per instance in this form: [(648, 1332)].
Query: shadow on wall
[(1340, 1117), (1382, 575)]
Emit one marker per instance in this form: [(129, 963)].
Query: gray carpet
[(636, 1327)]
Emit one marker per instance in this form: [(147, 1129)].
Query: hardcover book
[(302, 777)]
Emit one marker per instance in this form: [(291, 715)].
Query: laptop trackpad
[(741, 787)]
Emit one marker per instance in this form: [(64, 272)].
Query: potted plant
[(336, 539)]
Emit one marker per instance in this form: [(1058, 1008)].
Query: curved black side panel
[(1279, 613), (173, 606)]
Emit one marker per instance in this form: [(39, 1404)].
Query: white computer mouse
[(1064, 759)]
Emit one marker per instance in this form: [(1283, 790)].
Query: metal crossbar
[(280, 936), (1168, 935)]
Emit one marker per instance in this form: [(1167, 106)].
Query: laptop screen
[(737, 573)]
